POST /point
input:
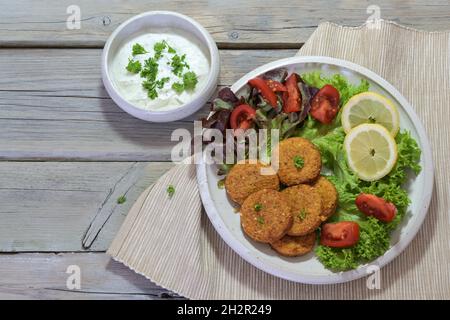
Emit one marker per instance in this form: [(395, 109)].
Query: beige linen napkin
[(172, 242)]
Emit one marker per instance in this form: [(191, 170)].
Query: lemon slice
[(370, 107), (371, 151)]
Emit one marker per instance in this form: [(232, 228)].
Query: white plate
[(307, 269)]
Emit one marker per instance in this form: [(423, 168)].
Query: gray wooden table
[(68, 152)]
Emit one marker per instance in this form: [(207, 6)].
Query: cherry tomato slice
[(292, 99), (276, 86), (371, 205), (340, 235), (266, 92), (242, 117), (325, 104)]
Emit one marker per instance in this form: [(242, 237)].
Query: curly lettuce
[(329, 139), (373, 242)]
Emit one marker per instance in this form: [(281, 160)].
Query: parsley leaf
[(138, 49), (150, 86), (190, 80), (260, 220), (221, 183), (171, 190), (178, 64), (302, 215), (258, 207), (161, 82), (299, 162), (178, 87), (150, 69), (121, 199), (134, 66), (159, 47), (170, 49)]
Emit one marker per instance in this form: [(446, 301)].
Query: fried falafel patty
[(246, 178), (299, 161), (306, 209), (329, 195), (266, 216), (294, 246)]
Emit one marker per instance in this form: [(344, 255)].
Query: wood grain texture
[(53, 106), (237, 24), (43, 276), (51, 206)]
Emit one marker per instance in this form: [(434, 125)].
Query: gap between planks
[(44, 276), (73, 119), (70, 202), (233, 24)]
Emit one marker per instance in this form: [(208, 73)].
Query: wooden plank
[(43, 276), (49, 206), (56, 97), (238, 24)]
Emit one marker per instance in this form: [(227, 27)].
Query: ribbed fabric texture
[(172, 243)]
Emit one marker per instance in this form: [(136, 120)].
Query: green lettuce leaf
[(337, 259), (312, 128), (391, 186), (374, 239), (329, 139), (373, 242), (345, 88), (374, 235)]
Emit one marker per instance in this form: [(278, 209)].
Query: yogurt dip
[(129, 85)]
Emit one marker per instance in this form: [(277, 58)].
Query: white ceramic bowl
[(308, 269), (160, 19)]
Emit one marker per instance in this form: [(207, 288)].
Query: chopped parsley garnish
[(170, 190), (134, 66), (170, 49), (302, 215), (178, 87), (190, 80), (161, 82), (260, 220), (138, 49), (178, 64), (159, 48), (149, 70), (258, 207), (150, 86), (299, 162), (121, 199), (221, 183)]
